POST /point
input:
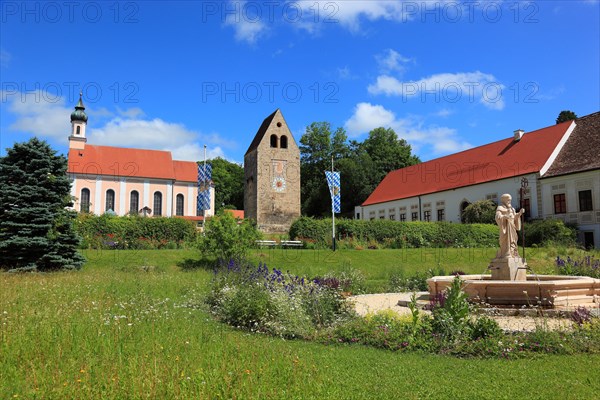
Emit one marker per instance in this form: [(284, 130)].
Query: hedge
[(133, 232), (397, 234), (428, 234)]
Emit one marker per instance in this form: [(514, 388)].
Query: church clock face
[(278, 184)]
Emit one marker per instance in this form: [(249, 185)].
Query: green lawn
[(132, 325)]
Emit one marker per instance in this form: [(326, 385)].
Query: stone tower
[(272, 174)]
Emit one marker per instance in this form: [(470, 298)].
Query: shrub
[(258, 299), (226, 238), (480, 212), (348, 280), (541, 232), (587, 266), (450, 319), (581, 315)]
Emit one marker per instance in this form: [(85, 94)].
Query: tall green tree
[(362, 166), (388, 152), (228, 178), (317, 146), (36, 231), (369, 162), (565, 115)]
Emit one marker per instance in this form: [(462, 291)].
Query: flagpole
[(332, 210), (205, 184)]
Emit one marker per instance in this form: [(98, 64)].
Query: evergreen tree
[(36, 231)]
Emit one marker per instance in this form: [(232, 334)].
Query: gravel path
[(372, 303)]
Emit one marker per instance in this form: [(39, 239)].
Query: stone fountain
[(510, 285)]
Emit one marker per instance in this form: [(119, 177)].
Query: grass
[(133, 325)]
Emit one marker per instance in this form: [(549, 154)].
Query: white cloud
[(133, 112), (195, 152), (445, 87), (391, 60), (367, 117), (443, 113), (350, 13), (248, 27), (98, 113), (39, 113), (48, 117), (427, 138)]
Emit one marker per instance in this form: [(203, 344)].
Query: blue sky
[(177, 75)]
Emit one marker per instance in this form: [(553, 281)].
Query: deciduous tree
[(565, 115), (228, 178)]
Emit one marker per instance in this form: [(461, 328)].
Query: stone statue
[(509, 222)]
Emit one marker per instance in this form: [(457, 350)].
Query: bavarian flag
[(333, 180), (204, 185)]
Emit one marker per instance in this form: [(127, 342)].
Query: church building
[(129, 181)]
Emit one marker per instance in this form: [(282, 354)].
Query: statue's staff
[(524, 184)]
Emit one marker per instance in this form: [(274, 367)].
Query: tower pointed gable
[(264, 127)]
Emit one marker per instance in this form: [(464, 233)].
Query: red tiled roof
[(503, 159), (139, 163), (185, 171), (238, 214)]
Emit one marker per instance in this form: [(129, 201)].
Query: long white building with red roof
[(560, 165), (129, 181)]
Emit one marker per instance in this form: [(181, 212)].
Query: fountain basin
[(538, 290)]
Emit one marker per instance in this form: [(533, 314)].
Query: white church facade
[(129, 181)]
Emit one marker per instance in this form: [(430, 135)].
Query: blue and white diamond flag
[(333, 180), (204, 184)]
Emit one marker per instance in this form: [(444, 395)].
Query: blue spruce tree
[(36, 228)]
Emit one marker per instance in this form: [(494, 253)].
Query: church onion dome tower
[(78, 124), (79, 113)]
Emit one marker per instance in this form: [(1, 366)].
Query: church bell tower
[(272, 176), (79, 119)]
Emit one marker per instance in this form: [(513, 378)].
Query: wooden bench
[(292, 243), (266, 243)]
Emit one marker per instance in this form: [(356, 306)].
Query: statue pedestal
[(509, 269)]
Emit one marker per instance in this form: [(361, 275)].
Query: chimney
[(518, 134)]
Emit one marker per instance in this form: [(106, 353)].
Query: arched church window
[(157, 203), (273, 140), (110, 200), (134, 202), (179, 205), (84, 204), (284, 142)]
